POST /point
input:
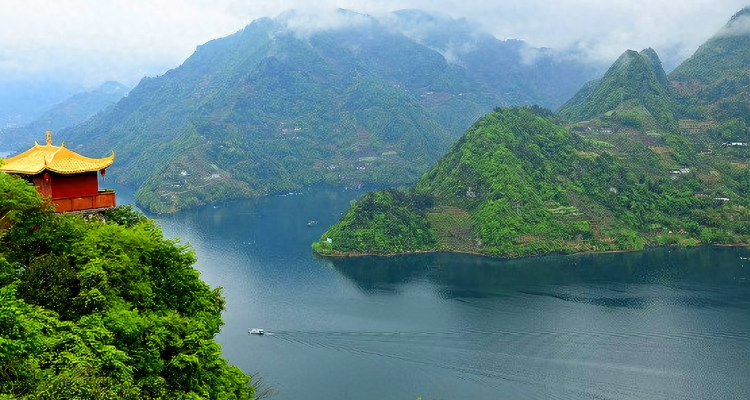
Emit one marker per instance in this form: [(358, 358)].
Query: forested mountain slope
[(518, 183), (714, 83), (635, 89), (708, 94), (275, 107), (726, 53)]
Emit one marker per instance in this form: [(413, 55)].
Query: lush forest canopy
[(518, 183), (103, 310)]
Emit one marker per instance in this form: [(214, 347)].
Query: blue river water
[(657, 324)]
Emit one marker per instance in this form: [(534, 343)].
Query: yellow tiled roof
[(53, 158)]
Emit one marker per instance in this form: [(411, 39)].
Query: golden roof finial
[(49, 138)]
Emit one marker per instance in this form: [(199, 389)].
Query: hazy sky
[(91, 41)]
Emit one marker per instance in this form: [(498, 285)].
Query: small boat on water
[(255, 331), (312, 222)]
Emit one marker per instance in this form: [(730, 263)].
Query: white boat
[(255, 331)]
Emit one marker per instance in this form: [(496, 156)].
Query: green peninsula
[(519, 183)]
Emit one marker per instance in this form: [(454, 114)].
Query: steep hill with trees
[(518, 184), (633, 92), (726, 53)]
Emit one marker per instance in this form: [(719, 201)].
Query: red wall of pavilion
[(63, 186)]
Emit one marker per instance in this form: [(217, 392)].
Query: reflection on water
[(698, 270), (657, 324), (660, 323)]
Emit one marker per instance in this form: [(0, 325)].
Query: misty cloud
[(90, 41), (453, 38), (740, 25), (529, 55), (305, 23), (453, 51)]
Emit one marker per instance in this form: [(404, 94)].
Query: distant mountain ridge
[(277, 106), (72, 111), (22, 101)]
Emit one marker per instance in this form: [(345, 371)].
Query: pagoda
[(70, 179)]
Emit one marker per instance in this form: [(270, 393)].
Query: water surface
[(657, 324)]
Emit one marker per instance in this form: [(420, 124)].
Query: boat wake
[(498, 358)]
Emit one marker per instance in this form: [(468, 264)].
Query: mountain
[(634, 92), (72, 111), (518, 183), (714, 83), (21, 101), (279, 105), (726, 53), (707, 94), (265, 110)]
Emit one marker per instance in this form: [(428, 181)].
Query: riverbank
[(355, 255)]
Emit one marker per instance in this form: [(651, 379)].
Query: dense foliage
[(387, 221), (269, 109), (93, 310), (517, 184)]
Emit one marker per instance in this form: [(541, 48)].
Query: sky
[(92, 41)]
